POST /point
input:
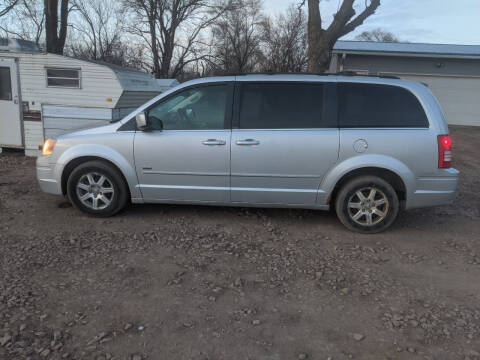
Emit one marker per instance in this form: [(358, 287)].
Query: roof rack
[(341, 73), (353, 73), (277, 73)]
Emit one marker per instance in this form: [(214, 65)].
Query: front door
[(185, 155), (286, 139), (10, 123)]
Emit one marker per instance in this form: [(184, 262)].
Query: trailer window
[(5, 84), (69, 78)]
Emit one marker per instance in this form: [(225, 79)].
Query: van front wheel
[(97, 188), (367, 204)]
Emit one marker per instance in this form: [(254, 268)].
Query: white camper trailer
[(45, 95)]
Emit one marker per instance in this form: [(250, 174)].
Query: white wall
[(33, 137), (99, 88), (97, 82)]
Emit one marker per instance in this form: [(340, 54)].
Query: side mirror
[(141, 120)]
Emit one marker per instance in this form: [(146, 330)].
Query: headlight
[(48, 147)]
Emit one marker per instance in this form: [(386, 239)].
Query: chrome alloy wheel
[(95, 191), (368, 206)]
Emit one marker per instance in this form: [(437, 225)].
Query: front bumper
[(46, 176), (434, 191)]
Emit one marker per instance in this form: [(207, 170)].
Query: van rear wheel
[(97, 188), (367, 204)]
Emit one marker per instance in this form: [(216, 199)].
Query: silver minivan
[(365, 146)]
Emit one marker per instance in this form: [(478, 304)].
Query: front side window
[(281, 106), (374, 105), (69, 78), (5, 84), (200, 108)]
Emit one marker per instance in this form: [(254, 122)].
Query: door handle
[(248, 142), (212, 142)]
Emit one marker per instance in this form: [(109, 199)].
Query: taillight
[(444, 151)]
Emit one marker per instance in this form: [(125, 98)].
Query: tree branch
[(8, 8), (352, 25), (341, 18)]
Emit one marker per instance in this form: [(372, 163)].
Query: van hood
[(102, 129)]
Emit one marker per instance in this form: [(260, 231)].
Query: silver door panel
[(281, 166), (182, 167)]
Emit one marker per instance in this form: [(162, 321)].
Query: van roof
[(343, 73)]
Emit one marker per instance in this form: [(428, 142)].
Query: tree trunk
[(318, 40), (55, 42), (319, 54), (63, 27), (167, 55), (156, 57), (51, 23)]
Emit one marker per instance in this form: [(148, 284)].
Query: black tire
[(384, 195), (118, 198)]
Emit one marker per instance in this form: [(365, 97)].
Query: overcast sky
[(430, 21)]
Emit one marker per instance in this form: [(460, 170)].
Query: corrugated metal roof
[(407, 48), (18, 45), (167, 82), (116, 68)]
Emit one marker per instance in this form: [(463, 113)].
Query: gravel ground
[(186, 282)]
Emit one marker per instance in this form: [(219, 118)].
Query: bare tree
[(28, 23), (172, 30), (55, 29), (129, 54), (95, 30), (237, 37), (6, 6), (285, 42), (378, 35), (98, 29), (321, 41), (145, 13)]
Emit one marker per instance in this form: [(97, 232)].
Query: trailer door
[(10, 120)]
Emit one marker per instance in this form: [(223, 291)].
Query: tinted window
[(5, 84), (281, 106), (371, 105), (62, 73), (63, 82), (63, 78), (201, 108)]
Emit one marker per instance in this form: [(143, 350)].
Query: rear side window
[(281, 106), (373, 105)]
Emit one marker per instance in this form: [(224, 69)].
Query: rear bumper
[(434, 191), (46, 177)]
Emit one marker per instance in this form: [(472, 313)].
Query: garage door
[(459, 96)]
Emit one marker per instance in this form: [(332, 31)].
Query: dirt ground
[(186, 282)]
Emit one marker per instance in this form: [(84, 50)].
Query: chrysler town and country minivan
[(367, 147)]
